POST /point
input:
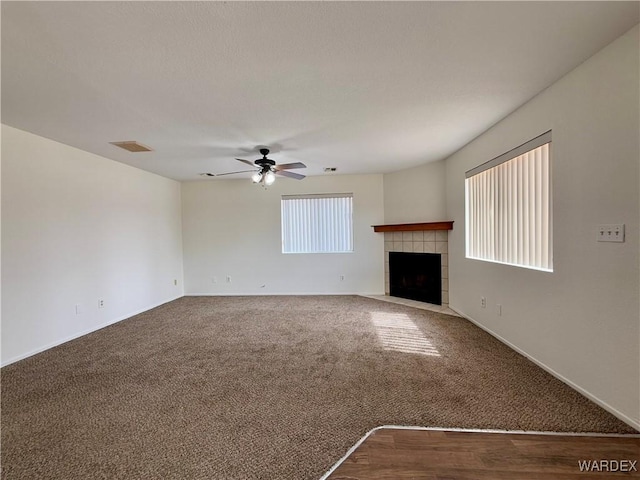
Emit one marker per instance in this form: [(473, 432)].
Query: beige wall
[(582, 320), (416, 195), (76, 228), (232, 228)]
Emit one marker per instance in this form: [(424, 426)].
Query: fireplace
[(416, 276), (406, 239)]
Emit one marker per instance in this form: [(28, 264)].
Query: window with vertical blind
[(317, 223), (508, 207)]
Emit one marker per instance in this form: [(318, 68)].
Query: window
[(508, 207), (317, 223)]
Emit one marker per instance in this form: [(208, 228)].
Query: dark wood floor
[(447, 455)]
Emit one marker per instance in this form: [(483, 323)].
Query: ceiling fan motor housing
[(264, 163)]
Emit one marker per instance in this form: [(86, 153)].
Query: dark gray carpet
[(265, 388)]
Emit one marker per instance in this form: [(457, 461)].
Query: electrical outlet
[(483, 302), (78, 309), (499, 310), (175, 281), (342, 278), (100, 303), (611, 233), (228, 278)]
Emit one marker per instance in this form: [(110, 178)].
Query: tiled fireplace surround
[(428, 241)]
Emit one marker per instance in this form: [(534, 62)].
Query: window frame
[(318, 196), (502, 212)]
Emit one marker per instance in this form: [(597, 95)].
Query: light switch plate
[(611, 233)]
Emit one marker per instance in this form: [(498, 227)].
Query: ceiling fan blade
[(232, 173), (284, 173), (246, 161), (290, 166)]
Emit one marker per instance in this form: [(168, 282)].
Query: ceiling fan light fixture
[(256, 177), (269, 178)]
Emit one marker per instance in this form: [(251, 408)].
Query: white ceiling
[(365, 87)]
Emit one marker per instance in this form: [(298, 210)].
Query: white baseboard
[(84, 332), (633, 422), (272, 294)]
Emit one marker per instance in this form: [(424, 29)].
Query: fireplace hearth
[(416, 276)]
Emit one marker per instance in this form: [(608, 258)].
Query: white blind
[(508, 209), (317, 223)]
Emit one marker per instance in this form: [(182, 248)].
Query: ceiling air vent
[(132, 146)]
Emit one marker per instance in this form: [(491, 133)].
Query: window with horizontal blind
[(317, 223), (508, 207)]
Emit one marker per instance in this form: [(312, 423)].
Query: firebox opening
[(416, 276)]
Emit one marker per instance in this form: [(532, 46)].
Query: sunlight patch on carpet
[(398, 333)]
